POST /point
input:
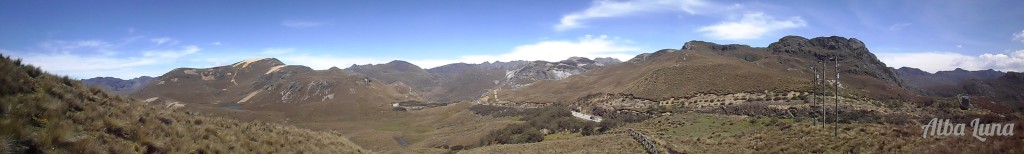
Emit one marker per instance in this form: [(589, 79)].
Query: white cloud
[(79, 59), (79, 46), (215, 43), (959, 46), (608, 8), (750, 26), (277, 51), (554, 50), (1018, 36), (301, 24), (86, 66), (164, 40), (944, 61)]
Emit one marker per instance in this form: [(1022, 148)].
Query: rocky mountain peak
[(854, 57), (821, 48)]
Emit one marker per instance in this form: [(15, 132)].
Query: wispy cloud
[(943, 61), (79, 46), (79, 59), (1018, 36), (608, 9), (301, 23), (750, 26), (164, 40)]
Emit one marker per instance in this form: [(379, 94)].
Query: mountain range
[(363, 101), (665, 76)]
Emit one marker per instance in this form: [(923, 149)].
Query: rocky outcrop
[(853, 56), (118, 85)]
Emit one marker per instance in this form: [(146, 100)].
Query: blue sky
[(127, 39)]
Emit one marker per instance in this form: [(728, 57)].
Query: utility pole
[(814, 87), (823, 90), (837, 97)]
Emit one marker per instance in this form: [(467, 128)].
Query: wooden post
[(823, 112), (837, 98)]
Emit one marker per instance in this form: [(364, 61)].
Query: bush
[(553, 118), (608, 124), (457, 147), (922, 101)]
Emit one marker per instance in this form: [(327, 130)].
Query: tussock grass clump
[(43, 113)]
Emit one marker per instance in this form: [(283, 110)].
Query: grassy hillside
[(43, 113), (707, 68)]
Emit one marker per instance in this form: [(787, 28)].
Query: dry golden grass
[(42, 113), (424, 130), (716, 133)]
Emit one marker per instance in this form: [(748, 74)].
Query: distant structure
[(965, 101)]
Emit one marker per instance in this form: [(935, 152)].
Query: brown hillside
[(333, 99), (42, 113), (1006, 89), (708, 68), (267, 85)]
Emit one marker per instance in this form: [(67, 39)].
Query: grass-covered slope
[(43, 113)]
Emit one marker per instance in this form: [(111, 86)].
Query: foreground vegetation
[(43, 113), (540, 123)]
